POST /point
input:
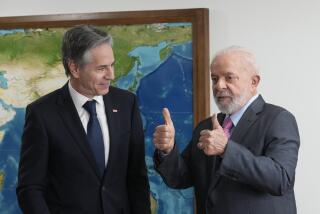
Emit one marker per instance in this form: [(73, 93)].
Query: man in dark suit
[(243, 160), (83, 144)]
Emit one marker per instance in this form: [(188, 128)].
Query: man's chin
[(224, 104), (224, 110), (229, 109)]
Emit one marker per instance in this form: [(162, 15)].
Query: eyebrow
[(227, 73), (104, 66)]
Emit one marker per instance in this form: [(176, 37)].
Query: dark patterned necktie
[(94, 135), (227, 126)]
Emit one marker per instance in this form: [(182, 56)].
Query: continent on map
[(154, 61)]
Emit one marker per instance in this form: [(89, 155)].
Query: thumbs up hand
[(163, 136), (213, 142)]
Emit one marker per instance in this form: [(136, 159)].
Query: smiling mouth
[(105, 84)]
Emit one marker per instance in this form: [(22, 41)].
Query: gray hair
[(78, 41), (248, 58)]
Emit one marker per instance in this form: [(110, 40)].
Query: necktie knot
[(227, 126), (90, 107)]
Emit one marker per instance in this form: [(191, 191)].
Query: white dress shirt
[(79, 100)]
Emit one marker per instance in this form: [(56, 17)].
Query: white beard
[(237, 102)]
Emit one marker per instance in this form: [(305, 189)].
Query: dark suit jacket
[(58, 173), (256, 173)]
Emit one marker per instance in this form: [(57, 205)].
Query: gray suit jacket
[(256, 173)]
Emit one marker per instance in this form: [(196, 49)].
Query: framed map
[(162, 56)]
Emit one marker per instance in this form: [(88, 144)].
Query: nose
[(220, 84), (109, 72)]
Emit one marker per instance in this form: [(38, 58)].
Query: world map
[(153, 61)]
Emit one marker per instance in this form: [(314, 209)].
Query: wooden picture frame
[(200, 36), (199, 18)]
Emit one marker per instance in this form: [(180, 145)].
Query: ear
[(73, 67), (255, 81)]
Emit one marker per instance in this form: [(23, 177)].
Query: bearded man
[(242, 160)]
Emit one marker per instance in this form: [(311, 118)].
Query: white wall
[(284, 34)]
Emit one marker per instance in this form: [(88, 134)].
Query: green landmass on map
[(31, 46), (2, 177), (34, 56), (129, 37), (30, 63), (42, 46)]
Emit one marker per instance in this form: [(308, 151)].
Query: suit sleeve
[(138, 184), (33, 166), (176, 168), (272, 172), (173, 168)]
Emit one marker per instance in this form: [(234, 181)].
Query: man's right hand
[(163, 136)]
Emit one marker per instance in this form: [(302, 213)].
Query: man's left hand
[(213, 142)]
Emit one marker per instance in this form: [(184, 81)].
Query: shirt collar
[(79, 100), (235, 117)]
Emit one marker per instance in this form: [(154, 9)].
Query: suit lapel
[(247, 120), (109, 109), (69, 115)]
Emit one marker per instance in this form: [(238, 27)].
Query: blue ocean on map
[(5, 32), (9, 157), (149, 60), (3, 81), (169, 85), (178, 24), (158, 83)]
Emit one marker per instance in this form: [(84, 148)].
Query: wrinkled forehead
[(102, 50), (234, 62)]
